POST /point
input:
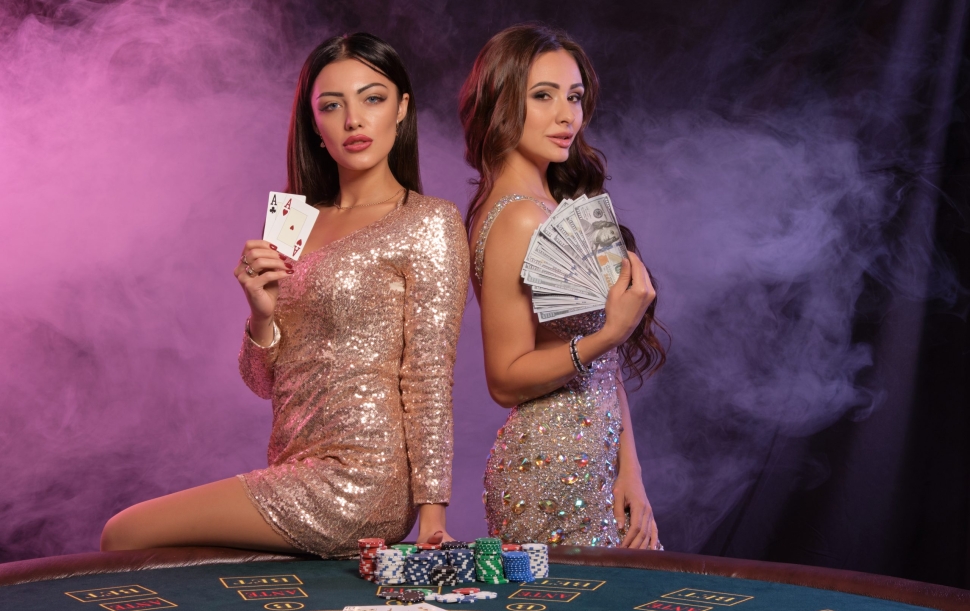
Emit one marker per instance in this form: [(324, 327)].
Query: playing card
[(291, 226), (276, 202)]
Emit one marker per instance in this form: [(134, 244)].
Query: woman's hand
[(259, 269), (628, 493), (628, 300), (431, 524)]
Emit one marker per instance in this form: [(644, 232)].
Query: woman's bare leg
[(218, 514)]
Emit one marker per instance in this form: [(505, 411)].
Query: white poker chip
[(447, 598), (483, 595)]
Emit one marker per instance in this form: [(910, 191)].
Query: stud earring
[(322, 144)]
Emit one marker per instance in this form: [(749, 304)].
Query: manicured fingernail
[(282, 256), (289, 271), (273, 247), (288, 265)]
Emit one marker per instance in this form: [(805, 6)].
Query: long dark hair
[(310, 170), (492, 111)]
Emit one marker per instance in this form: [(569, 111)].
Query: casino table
[(580, 579)]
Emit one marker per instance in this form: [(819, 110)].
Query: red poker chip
[(374, 542), (511, 547), (466, 591), (427, 546)]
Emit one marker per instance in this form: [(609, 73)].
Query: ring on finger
[(250, 272), (244, 260)]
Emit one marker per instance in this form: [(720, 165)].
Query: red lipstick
[(357, 143)]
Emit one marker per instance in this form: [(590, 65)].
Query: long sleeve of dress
[(256, 366), (436, 285)]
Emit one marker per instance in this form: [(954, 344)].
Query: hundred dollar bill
[(548, 315), (598, 224), (547, 256), (565, 288)]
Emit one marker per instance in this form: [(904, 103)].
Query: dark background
[(866, 465)]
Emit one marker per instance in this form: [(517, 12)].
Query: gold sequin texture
[(577, 425), (361, 381)]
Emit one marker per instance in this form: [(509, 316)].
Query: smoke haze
[(140, 139)]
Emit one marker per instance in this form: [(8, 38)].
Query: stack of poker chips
[(538, 559), (368, 557), (488, 560), (390, 567), (444, 575), (406, 548), (463, 559), (516, 566), (408, 597), (418, 567)]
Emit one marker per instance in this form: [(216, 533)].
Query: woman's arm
[(628, 490), (436, 285), (259, 270), (516, 368), (256, 362)]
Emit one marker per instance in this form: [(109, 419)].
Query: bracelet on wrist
[(574, 354), (276, 335)]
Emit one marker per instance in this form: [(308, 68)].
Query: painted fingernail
[(288, 265), (289, 271), (282, 256), (273, 247)]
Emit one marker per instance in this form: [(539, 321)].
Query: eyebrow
[(337, 94), (553, 85)]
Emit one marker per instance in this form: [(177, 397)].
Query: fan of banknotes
[(574, 258)]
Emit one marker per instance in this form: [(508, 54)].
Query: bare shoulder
[(518, 220)]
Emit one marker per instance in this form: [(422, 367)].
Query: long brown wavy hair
[(310, 170), (492, 107)]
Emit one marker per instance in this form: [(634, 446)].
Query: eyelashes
[(543, 95), (371, 99)]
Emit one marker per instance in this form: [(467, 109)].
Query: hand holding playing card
[(289, 220), (260, 267)]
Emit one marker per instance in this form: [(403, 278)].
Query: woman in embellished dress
[(564, 467), (354, 343)]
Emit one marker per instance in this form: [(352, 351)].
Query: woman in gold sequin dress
[(354, 343), (564, 467)]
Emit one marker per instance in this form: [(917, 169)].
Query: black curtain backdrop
[(885, 488)]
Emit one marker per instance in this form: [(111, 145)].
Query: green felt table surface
[(323, 585)]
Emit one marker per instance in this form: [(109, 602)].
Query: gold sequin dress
[(361, 381), (549, 476)]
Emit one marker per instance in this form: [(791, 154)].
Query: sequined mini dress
[(361, 381), (549, 476)]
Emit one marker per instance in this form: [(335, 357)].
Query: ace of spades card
[(291, 227)]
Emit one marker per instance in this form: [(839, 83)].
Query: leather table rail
[(95, 563), (850, 582)]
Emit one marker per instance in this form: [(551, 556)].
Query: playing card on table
[(291, 224)]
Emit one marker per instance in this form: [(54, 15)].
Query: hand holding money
[(575, 257), (628, 300)]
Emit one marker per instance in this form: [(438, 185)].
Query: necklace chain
[(374, 204)]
